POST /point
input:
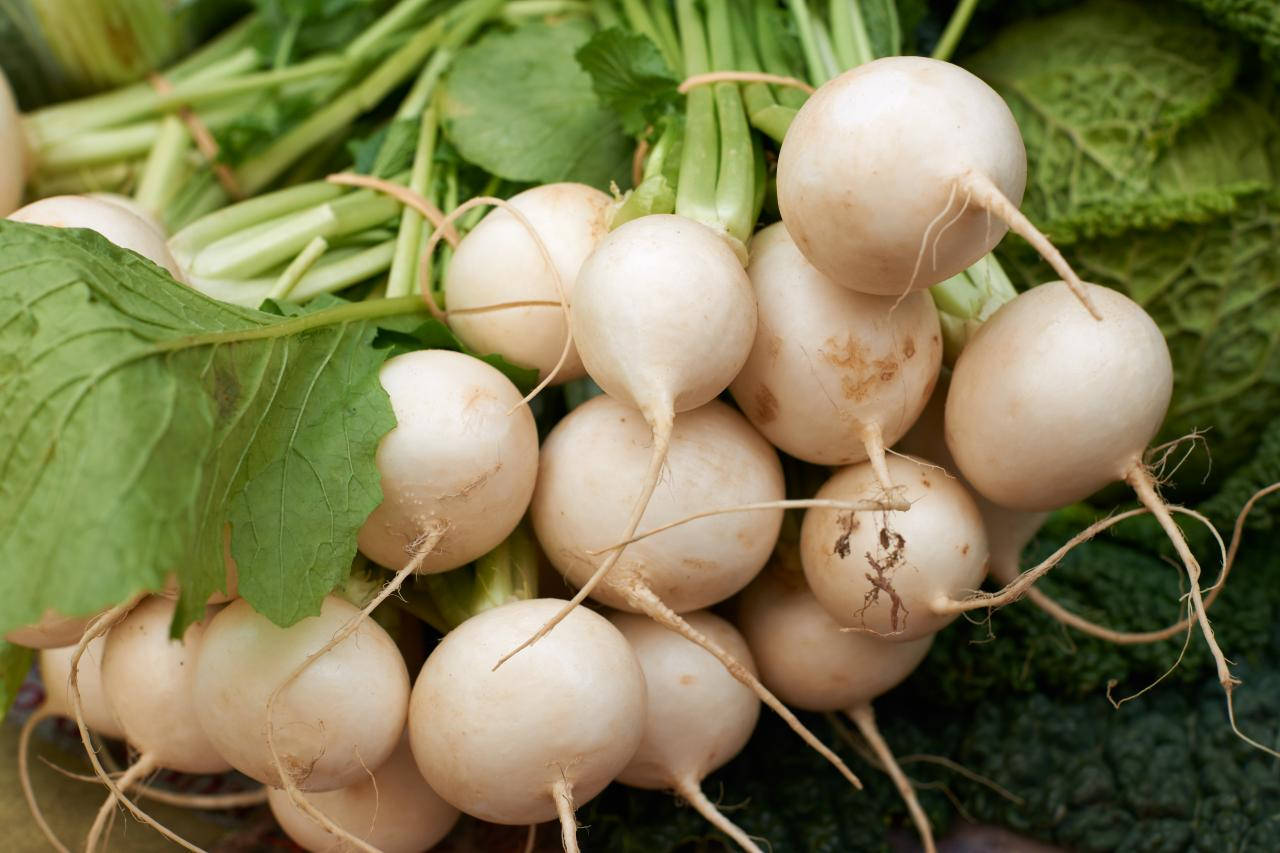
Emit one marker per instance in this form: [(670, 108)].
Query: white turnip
[(498, 262), (109, 219), (337, 720), (698, 715), (462, 458), (835, 376), (1047, 406), (589, 475), (809, 660), (394, 810), (891, 173), (53, 631), (528, 741), (893, 573)]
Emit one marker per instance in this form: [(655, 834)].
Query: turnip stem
[(699, 160), (298, 267), (404, 267), (808, 41), (955, 29), (639, 19), (161, 175), (691, 792), (735, 179), (865, 719), (644, 600), (772, 59), (851, 43)]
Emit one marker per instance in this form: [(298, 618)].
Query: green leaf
[(15, 662), (141, 417), (433, 334), (1100, 91), (387, 152), (518, 105), (630, 77)]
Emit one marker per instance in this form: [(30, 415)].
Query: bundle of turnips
[(301, 466)]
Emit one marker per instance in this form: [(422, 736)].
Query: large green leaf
[(518, 105), (1100, 91), (140, 417)]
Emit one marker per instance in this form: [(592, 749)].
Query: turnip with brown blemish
[(835, 376), (893, 573)]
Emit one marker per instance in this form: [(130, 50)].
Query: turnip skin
[(464, 453), (498, 743), (876, 155), (13, 150), (136, 209), (932, 554), (663, 315), (499, 262), (832, 367), (590, 471), (396, 811), (109, 219), (807, 658), (147, 680), (1047, 405), (339, 719)]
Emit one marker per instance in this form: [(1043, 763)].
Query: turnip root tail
[(710, 77), (986, 194), (865, 719), (421, 549), (24, 776), (135, 774), (662, 425), (796, 503), (1126, 638), (405, 196), (1144, 485), (643, 599), (562, 793), (98, 628), (689, 789), (873, 441)]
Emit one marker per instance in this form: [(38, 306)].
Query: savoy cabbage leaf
[(1100, 91)]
